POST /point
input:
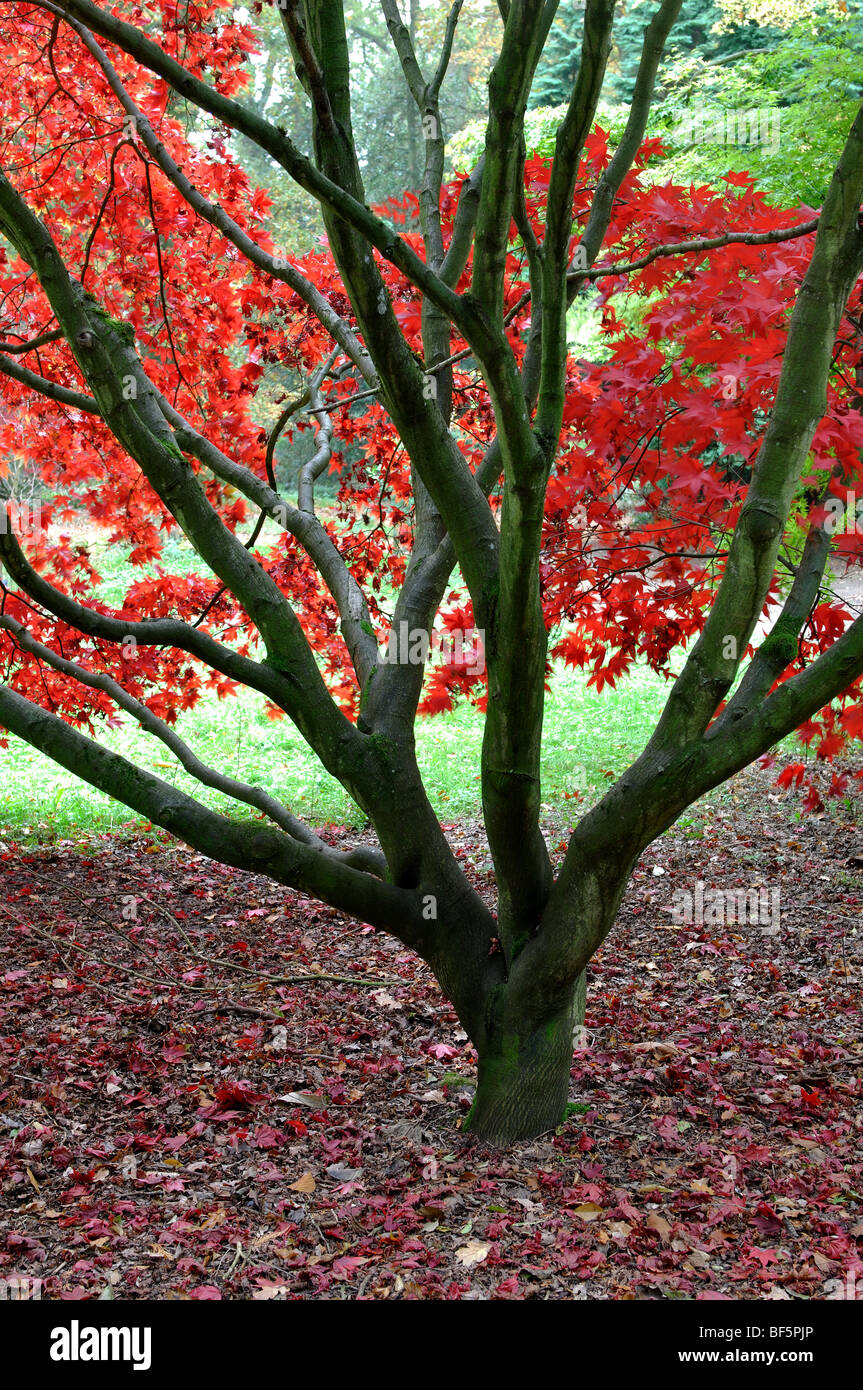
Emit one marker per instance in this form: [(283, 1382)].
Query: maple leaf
[(346, 1265), (241, 1093), (763, 1257)]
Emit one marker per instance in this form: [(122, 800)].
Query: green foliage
[(540, 129), (586, 734), (810, 80), (807, 80), (701, 30), (558, 67)]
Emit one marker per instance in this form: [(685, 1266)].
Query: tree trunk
[(523, 1076)]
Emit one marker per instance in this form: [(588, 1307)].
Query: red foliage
[(657, 440)]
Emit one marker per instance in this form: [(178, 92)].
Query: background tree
[(704, 27), (144, 288), (803, 81)]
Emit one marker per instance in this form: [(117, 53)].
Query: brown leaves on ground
[(183, 1115)]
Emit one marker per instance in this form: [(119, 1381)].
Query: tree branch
[(276, 266), (243, 845), (524, 35), (697, 244), (107, 361), (653, 47), (568, 148), (207, 776), (304, 526), (446, 51), (270, 139), (52, 389), (41, 341)]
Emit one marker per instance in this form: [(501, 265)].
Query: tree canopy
[(501, 500)]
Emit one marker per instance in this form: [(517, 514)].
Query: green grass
[(589, 738)]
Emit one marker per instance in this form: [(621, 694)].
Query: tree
[(803, 89), (710, 30), (558, 66), (627, 507)]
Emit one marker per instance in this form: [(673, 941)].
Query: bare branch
[(312, 470), (403, 44), (684, 248), (261, 848), (308, 69), (569, 144), (303, 525), (17, 348), (509, 86), (446, 51), (655, 37)]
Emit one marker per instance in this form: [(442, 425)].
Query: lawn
[(588, 738)]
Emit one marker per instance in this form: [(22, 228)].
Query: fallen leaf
[(658, 1223), (588, 1211), (473, 1253)]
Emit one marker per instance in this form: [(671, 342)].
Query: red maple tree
[(493, 489)]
